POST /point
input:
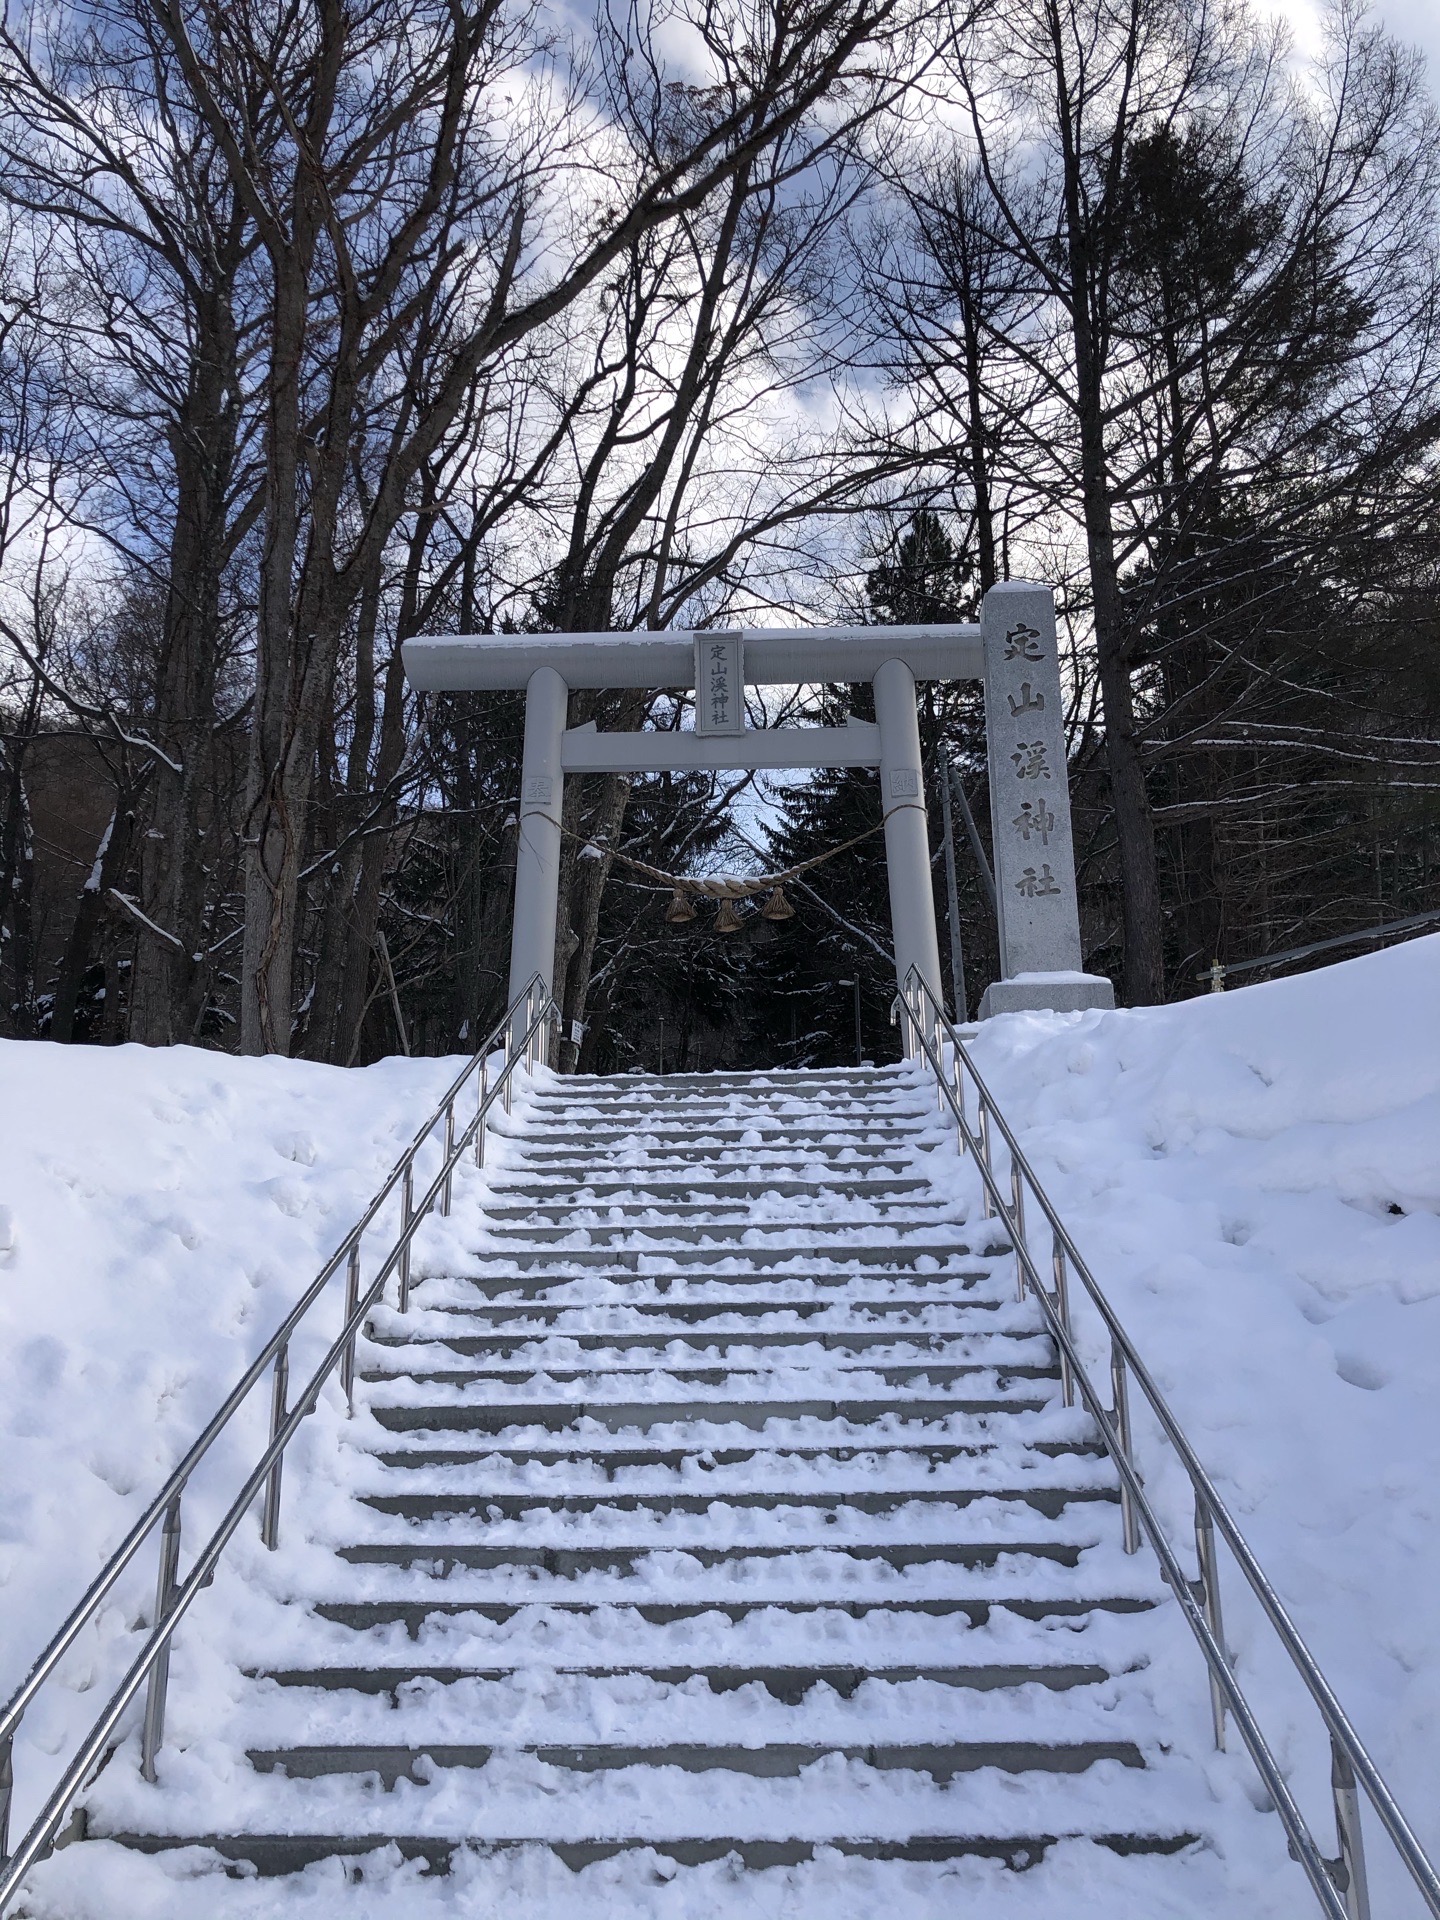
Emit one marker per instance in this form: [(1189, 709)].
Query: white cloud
[(1416, 22)]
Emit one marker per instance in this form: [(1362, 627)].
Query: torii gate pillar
[(537, 849), (907, 837)]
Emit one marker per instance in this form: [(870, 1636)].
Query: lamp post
[(859, 1044)]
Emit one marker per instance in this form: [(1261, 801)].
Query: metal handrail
[(1340, 1884), (525, 1028)]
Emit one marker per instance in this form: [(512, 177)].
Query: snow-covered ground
[(1254, 1177), (160, 1210)]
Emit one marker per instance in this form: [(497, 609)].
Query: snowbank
[(1254, 1178), (159, 1212)]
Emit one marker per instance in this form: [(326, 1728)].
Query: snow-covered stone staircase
[(723, 1505)]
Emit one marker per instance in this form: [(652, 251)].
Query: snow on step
[(721, 1502)]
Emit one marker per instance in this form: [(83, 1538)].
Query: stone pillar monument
[(1039, 922)]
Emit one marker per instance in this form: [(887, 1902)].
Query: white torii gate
[(1012, 649)]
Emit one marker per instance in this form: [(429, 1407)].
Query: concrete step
[(781, 1127), (618, 1416), (681, 1311), (441, 1557), (618, 1458), (571, 1286), (870, 1083), (891, 1081), (940, 1763), (668, 1117), (647, 1236), (818, 1094), (484, 1504), (975, 1609), (936, 1373), (506, 1345), (785, 1683), (897, 1257), (280, 1853), (667, 1185), (784, 1149), (910, 1210)]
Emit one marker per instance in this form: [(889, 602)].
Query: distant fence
[(1217, 972)]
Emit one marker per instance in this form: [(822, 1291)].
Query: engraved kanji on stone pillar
[(1039, 922)]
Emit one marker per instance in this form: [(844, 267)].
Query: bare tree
[(1136, 413), (369, 206), (152, 309)]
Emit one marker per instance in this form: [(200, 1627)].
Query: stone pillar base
[(1047, 993)]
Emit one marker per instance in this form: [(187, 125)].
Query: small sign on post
[(719, 683)]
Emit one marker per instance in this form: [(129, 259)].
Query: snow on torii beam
[(549, 665), (774, 657), (1012, 649)]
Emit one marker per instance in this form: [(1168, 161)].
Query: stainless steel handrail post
[(279, 1391), (1351, 1880), (1017, 1217), (986, 1159), (153, 1737), (508, 1094), (1062, 1313), (957, 1067), (407, 1209), (7, 1793), (1121, 1418), (1209, 1598), (482, 1090), (907, 1026), (449, 1152), (352, 1300)]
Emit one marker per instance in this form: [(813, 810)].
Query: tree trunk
[(364, 901), (169, 989), (1143, 949), (587, 897), (112, 857), (19, 867), (1143, 945), (271, 832)]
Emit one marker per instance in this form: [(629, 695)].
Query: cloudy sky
[(1416, 21)]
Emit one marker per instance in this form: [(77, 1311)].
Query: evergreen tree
[(842, 926)]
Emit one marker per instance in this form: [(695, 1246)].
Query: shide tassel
[(777, 907), (679, 909), (727, 920)]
